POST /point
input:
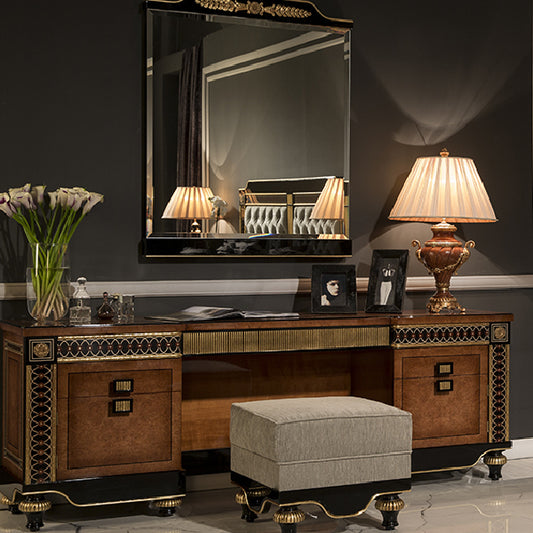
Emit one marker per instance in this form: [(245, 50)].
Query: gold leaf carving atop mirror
[(234, 101), (255, 8)]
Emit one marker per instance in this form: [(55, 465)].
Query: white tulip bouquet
[(48, 220)]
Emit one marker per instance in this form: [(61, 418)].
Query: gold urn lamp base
[(442, 256)]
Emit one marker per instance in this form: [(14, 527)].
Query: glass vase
[(48, 282)]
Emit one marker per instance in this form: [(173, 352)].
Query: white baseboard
[(265, 287), (522, 449)]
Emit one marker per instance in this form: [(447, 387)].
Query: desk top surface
[(304, 320)]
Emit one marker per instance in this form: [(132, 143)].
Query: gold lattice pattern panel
[(282, 340), (441, 335), (499, 393), (152, 345), (40, 429)]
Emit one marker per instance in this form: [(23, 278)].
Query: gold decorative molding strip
[(440, 334), (254, 8), (282, 340), (119, 347)]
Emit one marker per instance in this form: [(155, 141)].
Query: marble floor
[(455, 502)]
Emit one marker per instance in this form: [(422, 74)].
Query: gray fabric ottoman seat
[(337, 452)]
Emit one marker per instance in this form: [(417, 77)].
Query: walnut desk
[(102, 414)]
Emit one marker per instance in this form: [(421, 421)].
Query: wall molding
[(266, 287)]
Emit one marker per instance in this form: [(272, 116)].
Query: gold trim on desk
[(114, 502), (498, 393), (462, 467), (156, 345), (405, 336), (13, 347), (41, 413), (283, 340)]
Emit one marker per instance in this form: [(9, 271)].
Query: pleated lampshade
[(189, 203), (443, 188), (330, 203)]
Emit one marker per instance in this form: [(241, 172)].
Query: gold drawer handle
[(444, 385), (121, 407), (123, 385), (443, 369)]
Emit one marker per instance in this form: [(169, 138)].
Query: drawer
[(117, 379), (97, 437), (443, 413), (441, 365)]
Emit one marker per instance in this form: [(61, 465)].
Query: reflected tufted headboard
[(283, 206)]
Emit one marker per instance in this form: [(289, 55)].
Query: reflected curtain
[(189, 149)]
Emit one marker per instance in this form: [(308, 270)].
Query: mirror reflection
[(246, 129)]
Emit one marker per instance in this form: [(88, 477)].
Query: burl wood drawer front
[(437, 414), (120, 421)]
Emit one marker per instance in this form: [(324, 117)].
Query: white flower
[(220, 207), (37, 194), (23, 198), (53, 199), (92, 200), (19, 196), (5, 204)]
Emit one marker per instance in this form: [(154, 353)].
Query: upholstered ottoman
[(336, 452)]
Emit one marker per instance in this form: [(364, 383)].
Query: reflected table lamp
[(330, 204), (445, 190), (190, 203)]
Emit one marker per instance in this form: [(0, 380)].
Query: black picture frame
[(323, 289), (386, 284)]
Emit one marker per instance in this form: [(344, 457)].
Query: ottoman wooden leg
[(253, 497), (389, 505), (288, 518)]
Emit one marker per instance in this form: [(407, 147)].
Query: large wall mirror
[(247, 129)]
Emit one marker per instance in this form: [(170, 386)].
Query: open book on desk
[(198, 313)]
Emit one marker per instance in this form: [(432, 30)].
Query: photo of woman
[(333, 290)]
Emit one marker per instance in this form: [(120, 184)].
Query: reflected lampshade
[(330, 203), (189, 203)]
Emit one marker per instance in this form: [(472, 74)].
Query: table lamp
[(190, 203), (330, 203), (444, 190)]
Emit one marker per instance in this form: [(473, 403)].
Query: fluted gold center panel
[(282, 340)]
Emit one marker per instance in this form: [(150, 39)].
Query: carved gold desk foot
[(34, 507), (495, 461), (167, 507)]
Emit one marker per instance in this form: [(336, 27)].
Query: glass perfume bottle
[(105, 311), (80, 309)]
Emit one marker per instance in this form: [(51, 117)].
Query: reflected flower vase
[(48, 282)]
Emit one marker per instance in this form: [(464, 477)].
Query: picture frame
[(333, 289), (386, 284)]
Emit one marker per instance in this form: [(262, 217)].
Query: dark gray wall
[(424, 75)]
